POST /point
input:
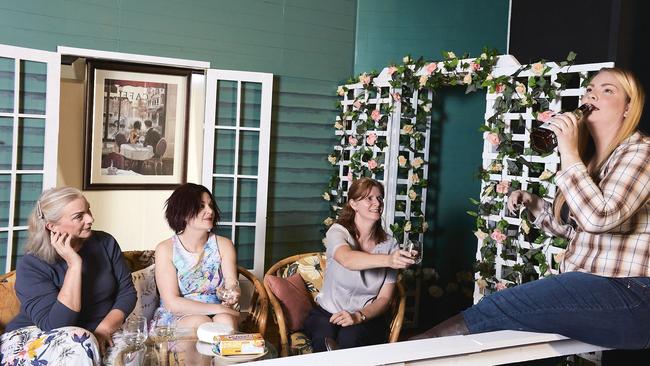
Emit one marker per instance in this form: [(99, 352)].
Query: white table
[(136, 151), (492, 348)]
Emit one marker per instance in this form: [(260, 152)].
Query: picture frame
[(136, 127)]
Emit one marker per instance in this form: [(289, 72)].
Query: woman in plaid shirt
[(602, 296)]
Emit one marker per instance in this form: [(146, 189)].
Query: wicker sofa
[(137, 261)]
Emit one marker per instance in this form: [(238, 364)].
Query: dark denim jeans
[(317, 326), (605, 311)]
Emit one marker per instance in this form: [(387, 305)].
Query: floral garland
[(367, 123)]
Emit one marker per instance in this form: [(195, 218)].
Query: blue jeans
[(604, 311)]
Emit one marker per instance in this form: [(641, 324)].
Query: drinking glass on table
[(135, 331), (164, 328), (228, 292)]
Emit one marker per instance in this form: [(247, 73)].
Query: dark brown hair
[(359, 190), (185, 203)]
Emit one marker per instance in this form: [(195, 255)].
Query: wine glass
[(228, 292), (164, 328), (415, 246), (135, 331)]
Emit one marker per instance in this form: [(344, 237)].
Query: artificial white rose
[(407, 129), (546, 175), (401, 160), (417, 162)]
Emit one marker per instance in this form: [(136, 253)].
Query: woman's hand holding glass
[(400, 259), (228, 292)]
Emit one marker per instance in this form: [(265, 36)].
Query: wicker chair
[(259, 305), (396, 306)]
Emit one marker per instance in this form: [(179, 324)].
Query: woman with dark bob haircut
[(193, 263)]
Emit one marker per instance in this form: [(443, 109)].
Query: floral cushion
[(299, 344), (311, 269), (144, 282)]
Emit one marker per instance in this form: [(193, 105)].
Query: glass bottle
[(542, 138)]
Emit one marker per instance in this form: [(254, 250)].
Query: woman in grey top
[(362, 263)]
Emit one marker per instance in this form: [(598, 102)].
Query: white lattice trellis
[(399, 116), (505, 169), (397, 183), (387, 127)]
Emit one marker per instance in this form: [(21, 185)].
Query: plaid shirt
[(609, 230)]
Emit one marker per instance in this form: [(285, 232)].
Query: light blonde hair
[(48, 209), (635, 98)]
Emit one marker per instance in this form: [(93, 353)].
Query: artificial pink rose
[(371, 139), (501, 286), (375, 115), (391, 70), (498, 236), (493, 138), (396, 96), (353, 141), (499, 88), (544, 116), (356, 104), (474, 66), (430, 68), (503, 187), (372, 164)]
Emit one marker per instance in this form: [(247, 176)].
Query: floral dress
[(70, 346), (199, 275)]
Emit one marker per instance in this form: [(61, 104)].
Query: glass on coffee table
[(184, 349)]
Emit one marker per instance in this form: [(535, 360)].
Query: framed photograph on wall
[(136, 126)]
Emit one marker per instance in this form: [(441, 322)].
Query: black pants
[(317, 326)]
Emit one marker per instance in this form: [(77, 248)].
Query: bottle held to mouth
[(542, 138)]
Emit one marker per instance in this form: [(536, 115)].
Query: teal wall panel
[(307, 44), (388, 30)]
